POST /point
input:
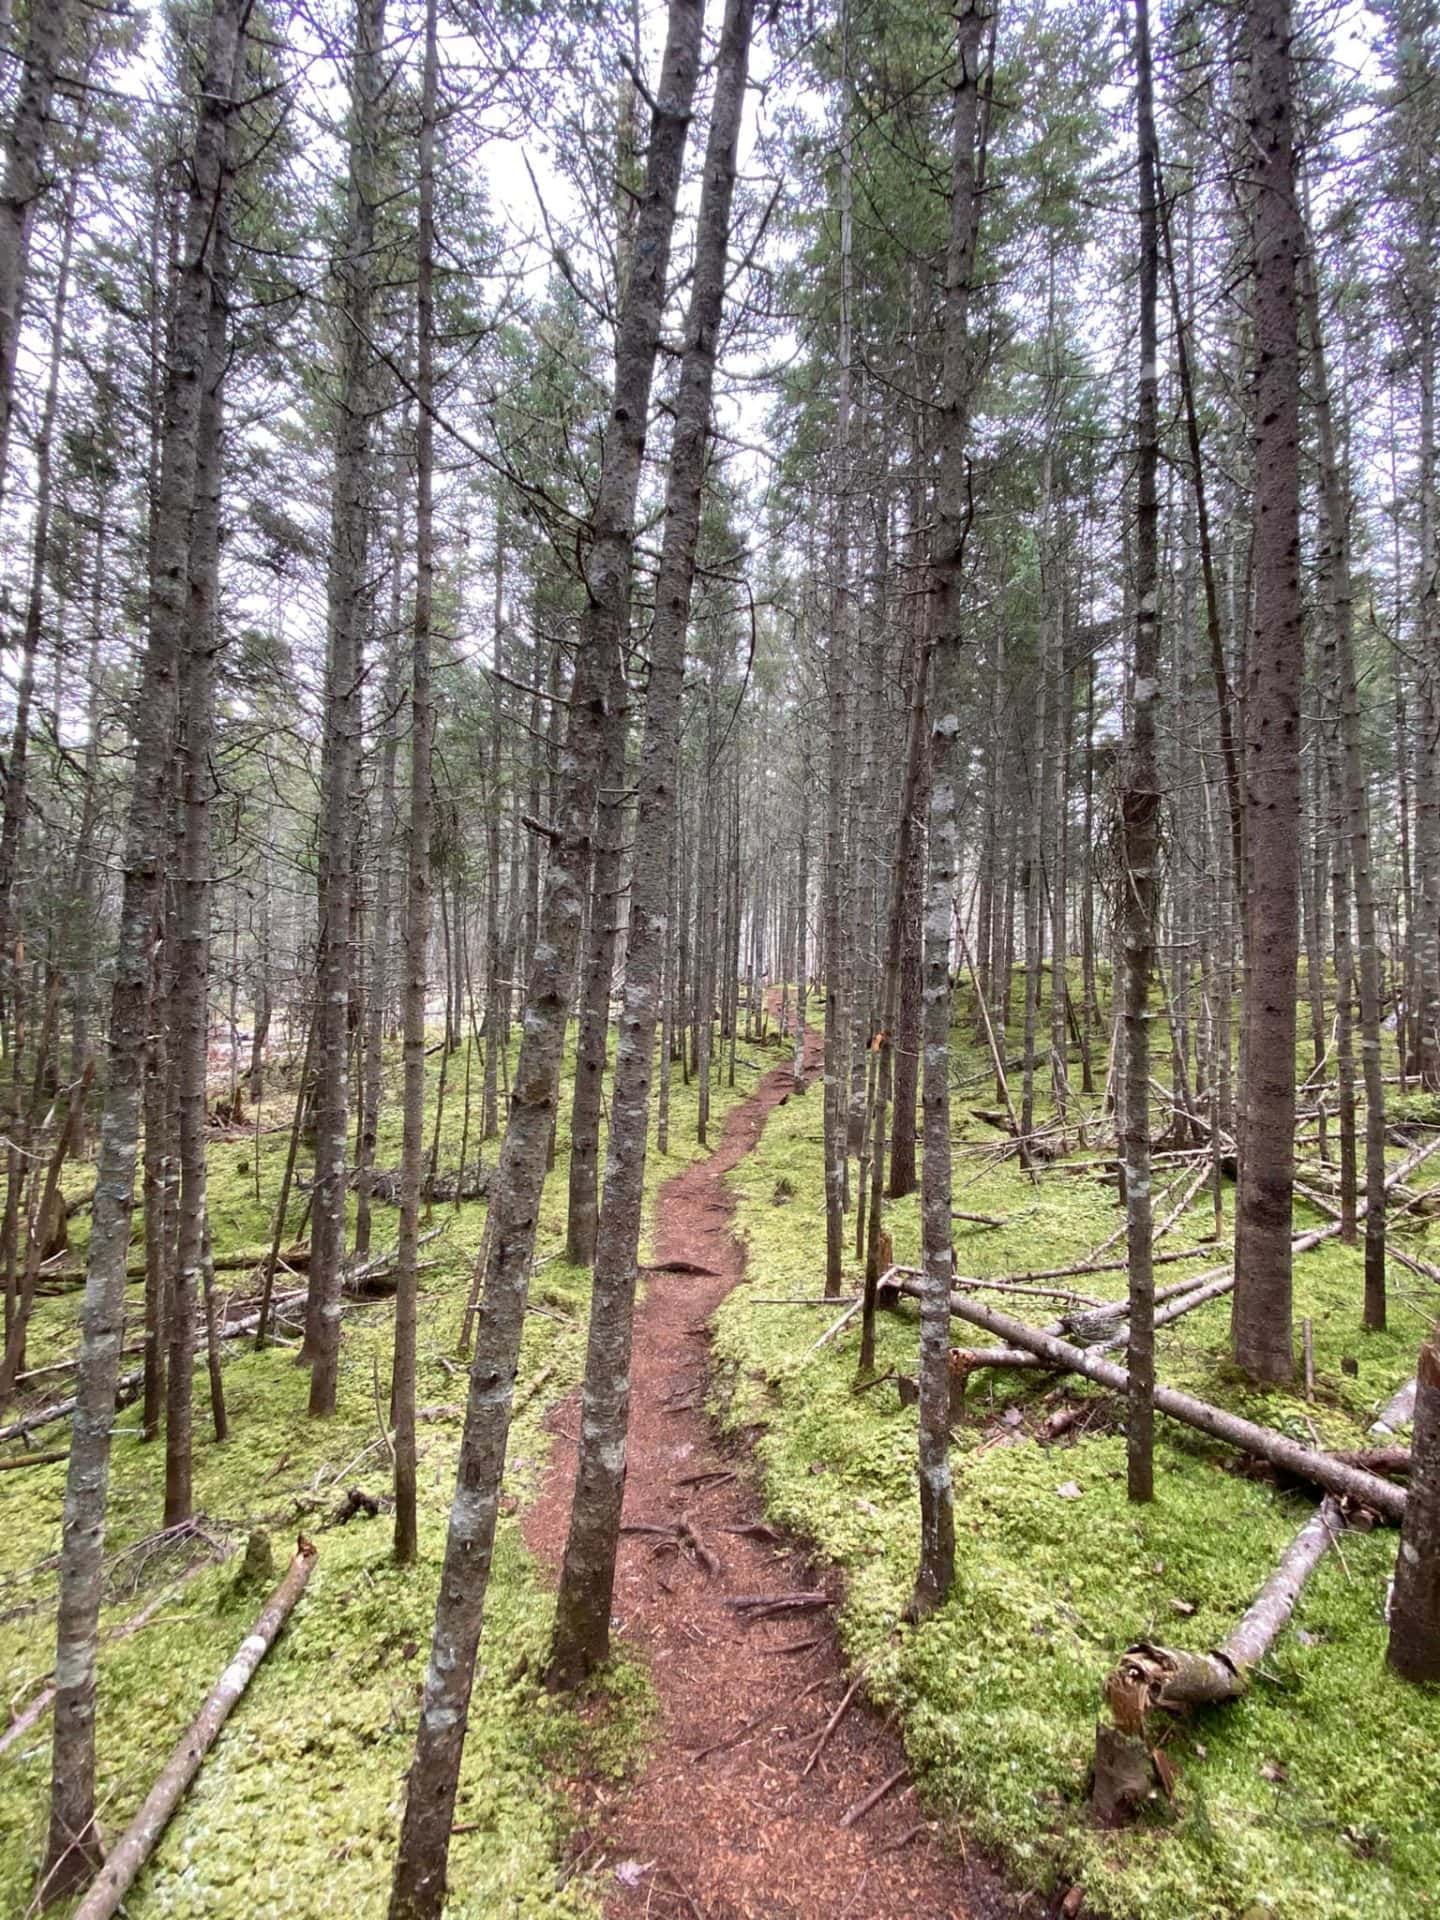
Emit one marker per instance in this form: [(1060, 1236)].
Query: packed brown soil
[(723, 1822)]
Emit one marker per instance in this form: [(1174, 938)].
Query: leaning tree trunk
[(1261, 1320), (587, 1576), (935, 1574), (345, 593), (418, 1888), (73, 1843)]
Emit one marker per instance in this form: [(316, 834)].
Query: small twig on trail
[(680, 1266), (730, 1740), (833, 1722), (689, 1535), (874, 1797), (679, 1888), (760, 1606), (715, 1475), (757, 1530), (795, 1646), (910, 1833)]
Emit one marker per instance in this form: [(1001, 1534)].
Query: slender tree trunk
[(1335, 504), (345, 592), (1140, 810), (73, 1847), (587, 1577), (418, 1889), (191, 994), (417, 876), (936, 1572)]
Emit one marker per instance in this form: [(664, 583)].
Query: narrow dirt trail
[(723, 1823)]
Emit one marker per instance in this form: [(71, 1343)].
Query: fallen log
[(1170, 1678), (140, 1838), (126, 1388), (67, 1279), (1320, 1469), (1397, 1412)]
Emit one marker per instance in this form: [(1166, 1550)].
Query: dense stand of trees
[(955, 512)]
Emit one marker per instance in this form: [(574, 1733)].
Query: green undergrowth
[(296, 1811), (1317, 1795)]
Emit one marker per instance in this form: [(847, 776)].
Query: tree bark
[(73, 1845), (417, 873), (1261, 1322), (345, 596), (1414, 1645), (587, 1576), (935, 1573), (1140, 810), (418, 1888)]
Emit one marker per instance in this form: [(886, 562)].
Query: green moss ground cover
[(296, 1811), (1316, 1796)]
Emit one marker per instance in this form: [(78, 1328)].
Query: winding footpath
[(723, 1822)]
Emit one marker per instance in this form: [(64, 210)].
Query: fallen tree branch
[(140, 1838), (1321, 1469), (1150, 1676)]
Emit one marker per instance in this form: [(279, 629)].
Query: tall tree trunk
[(417, 868), (1140, 810), (1336, 525), (1261, 1318), (189, 1002), (935, 1574), (597, 978), (345, 594), (587, 1576), (418, 1889), (73, 1846)]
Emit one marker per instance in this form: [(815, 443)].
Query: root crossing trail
[(723, 1823)]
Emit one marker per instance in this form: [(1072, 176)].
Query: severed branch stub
[(1127, 1770)]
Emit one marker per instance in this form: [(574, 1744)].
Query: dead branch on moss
[(1172, 1679), (141, 1837), (1321, 1469)]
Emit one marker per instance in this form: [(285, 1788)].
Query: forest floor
[(727, 1818), (677, 1785), (1312, 1797)]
